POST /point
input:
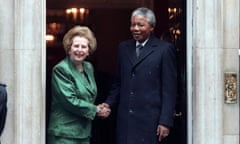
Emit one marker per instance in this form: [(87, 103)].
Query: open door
[(111, 25)]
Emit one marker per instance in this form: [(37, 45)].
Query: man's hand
[(103, 110), (162, 132)]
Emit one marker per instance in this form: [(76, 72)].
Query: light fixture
[(174, 24), (50, 38), (77, 14)]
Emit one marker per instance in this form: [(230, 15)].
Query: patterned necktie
[(138, 49)]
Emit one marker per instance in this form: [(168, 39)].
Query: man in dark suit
[(3, 107), (145, 88)]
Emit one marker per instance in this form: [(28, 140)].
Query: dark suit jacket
[(3, 106), (144, 91)]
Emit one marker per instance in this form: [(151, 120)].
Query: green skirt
[(51, 139)]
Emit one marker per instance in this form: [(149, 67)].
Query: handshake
[(103, 110)]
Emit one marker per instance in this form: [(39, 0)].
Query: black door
[(171, 16)]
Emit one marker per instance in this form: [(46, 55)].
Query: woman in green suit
[(73, 90)]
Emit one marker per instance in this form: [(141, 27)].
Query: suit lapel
[(147, 50), (89, 80), (82, 83), (131, 52)]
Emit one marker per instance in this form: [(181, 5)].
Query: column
[(208, 59), (7, 64), (22, 68), (231, 64)]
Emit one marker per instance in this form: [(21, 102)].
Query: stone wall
[(215, 51), (22, 68)]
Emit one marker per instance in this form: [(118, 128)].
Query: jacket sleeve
[(169, 86), (66, 93), (113, 96), (3, 107)]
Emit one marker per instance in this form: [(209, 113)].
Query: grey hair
[(146, 12)]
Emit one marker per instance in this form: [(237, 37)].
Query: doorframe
[(189, 31), (189, 51)]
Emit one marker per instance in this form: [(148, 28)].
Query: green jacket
[(73, 97)]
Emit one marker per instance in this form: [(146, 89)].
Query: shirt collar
[(143, 43)]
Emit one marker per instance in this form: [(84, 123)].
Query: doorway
[(171, 26)]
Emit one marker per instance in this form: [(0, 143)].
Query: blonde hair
[(81, 31)]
